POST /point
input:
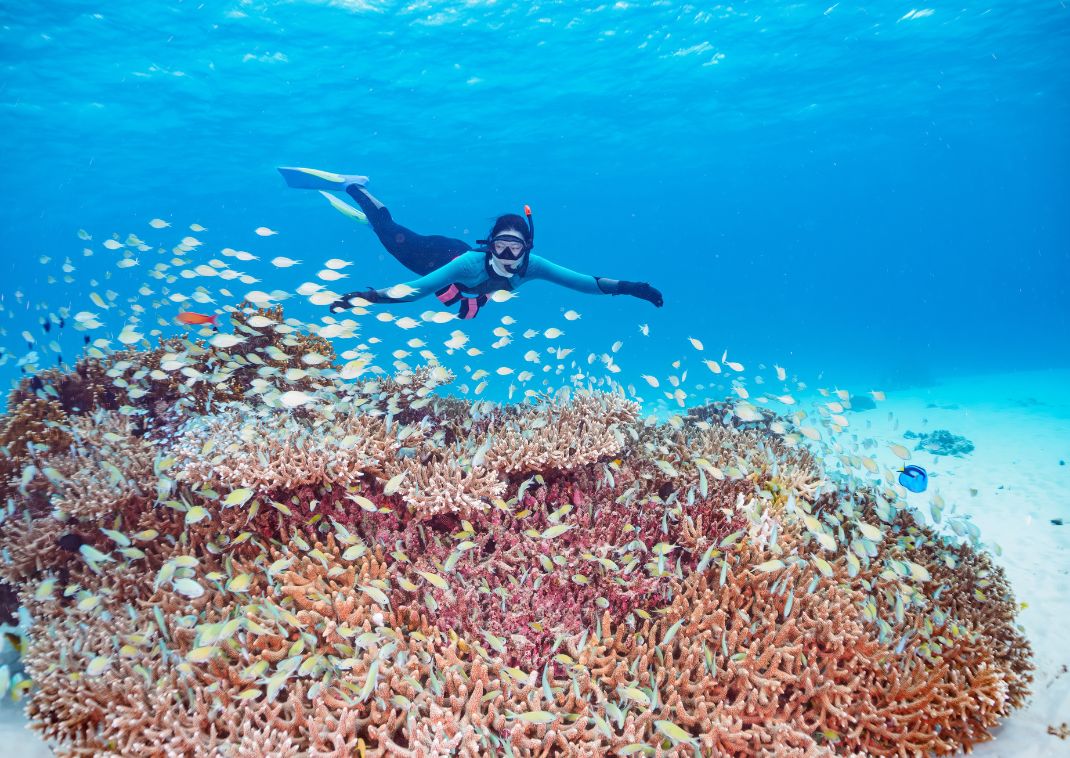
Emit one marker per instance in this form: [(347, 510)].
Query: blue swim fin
[(312, 178)]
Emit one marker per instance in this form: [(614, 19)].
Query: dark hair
[(510, 221)]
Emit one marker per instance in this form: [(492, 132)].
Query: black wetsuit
[(458, 273), (419, 253)]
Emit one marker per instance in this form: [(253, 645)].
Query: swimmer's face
[(508, 263)]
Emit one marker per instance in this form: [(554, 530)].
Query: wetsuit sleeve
[(461, 270), (540, 268)]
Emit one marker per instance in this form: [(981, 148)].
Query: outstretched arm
[(457, 270), (540, 268)]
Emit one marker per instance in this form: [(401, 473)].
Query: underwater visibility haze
[(766, 456)]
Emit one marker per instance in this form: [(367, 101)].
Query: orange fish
[(189, 318)]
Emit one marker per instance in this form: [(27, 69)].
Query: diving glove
[(641, 290)]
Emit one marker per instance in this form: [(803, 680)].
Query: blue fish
[(914, 478)]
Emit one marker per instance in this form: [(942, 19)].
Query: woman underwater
[(452, 269)]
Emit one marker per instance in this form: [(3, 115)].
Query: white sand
[(15, 737), (1020, 424)]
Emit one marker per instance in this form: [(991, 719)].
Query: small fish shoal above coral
[(384, 569)]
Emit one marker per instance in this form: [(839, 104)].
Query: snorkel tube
[(531, 241)]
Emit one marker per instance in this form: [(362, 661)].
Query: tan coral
[(442, 733), (279, 451), (437, 483), (34, 421), (31, 423), (32, 545), (557, 434), (105, 470), (106, 465)]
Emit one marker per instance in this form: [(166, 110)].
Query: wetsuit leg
[(419, 253)]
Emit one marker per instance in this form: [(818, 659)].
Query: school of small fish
[(176, 326)]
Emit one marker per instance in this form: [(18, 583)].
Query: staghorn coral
[(436, 483), (561, 434), (197, 375), (104, 469), (182, 377), (106, 464), (81, 390), (443, 733), (965, 599), (274, 450), (31, 545), (927, 590), (33, 421), (723, 413), (555, 578)]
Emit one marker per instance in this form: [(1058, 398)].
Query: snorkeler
[(451, 268)]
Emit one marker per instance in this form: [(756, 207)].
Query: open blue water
[(878, 192)]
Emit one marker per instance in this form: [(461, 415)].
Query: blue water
[(862, 194)]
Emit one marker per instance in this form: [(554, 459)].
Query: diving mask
[(508, 247)]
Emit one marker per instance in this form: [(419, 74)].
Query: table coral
[(435, 482)]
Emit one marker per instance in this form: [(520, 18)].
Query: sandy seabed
[(1020, 469), (1014, 483)]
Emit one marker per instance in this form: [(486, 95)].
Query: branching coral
[(274, 450), (385, 571), (103, 468), (182, 377), (33, 422), (437, 483), (561, 434), (106, 465)]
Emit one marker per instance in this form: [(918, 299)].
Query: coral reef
[(381, 571), (274, 450), (721, 411), (561, 434), (434, 482), (183, 377)]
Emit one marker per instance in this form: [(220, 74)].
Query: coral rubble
[(941, 442)]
